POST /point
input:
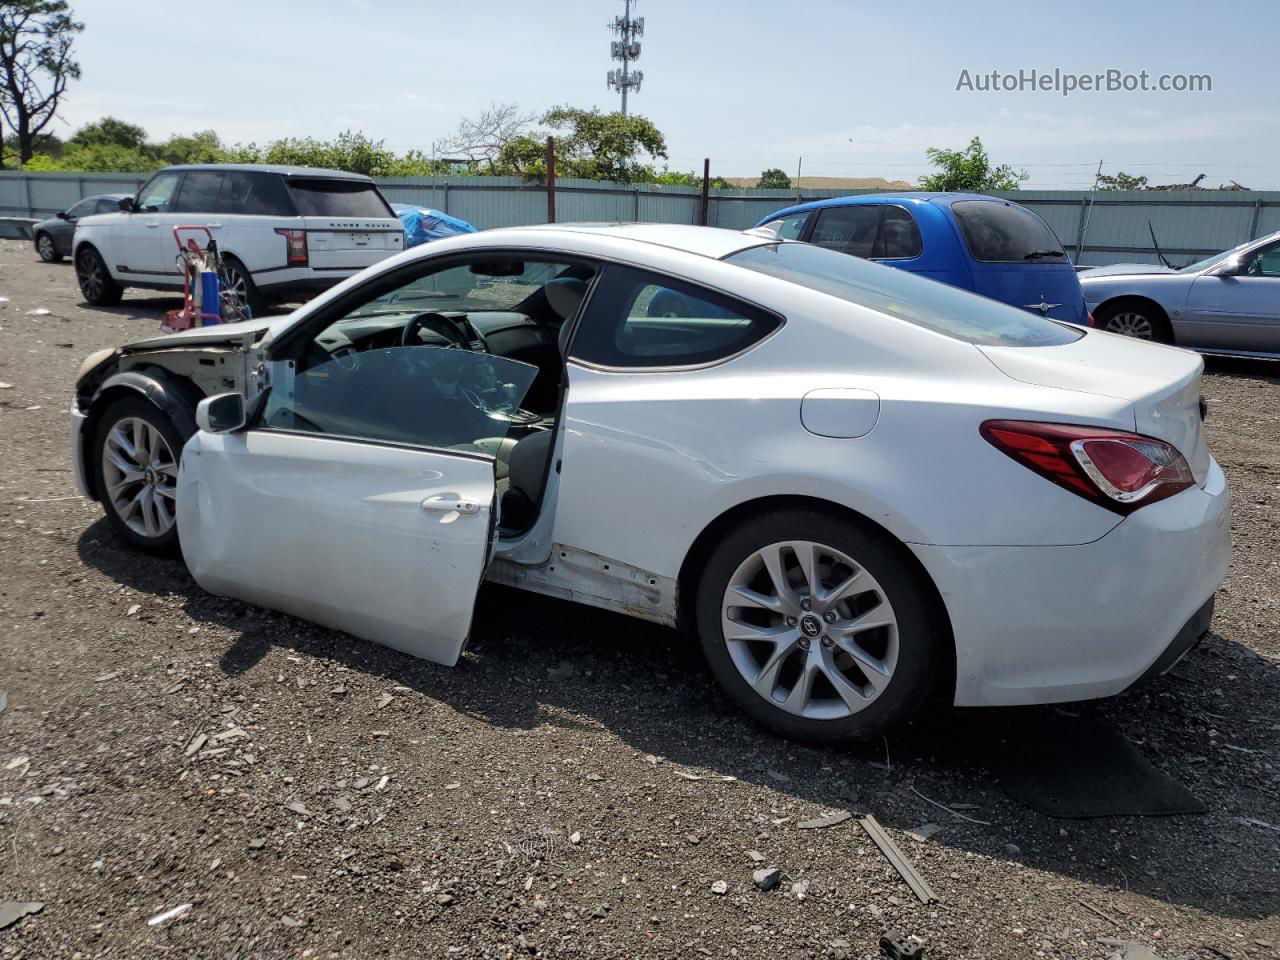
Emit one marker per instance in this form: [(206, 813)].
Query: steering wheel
[(459, 333)]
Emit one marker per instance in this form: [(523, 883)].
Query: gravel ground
[(576, 787)]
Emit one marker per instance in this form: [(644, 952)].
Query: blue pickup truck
[(985, 244)]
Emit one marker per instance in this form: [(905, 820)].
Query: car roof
[(915, 197), (713, 242), (282, 169)]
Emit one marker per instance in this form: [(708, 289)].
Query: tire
[(96, 285), (47, 249), (1137, 320), (142, 510), (667, 303), (888, 591), (236, 277)]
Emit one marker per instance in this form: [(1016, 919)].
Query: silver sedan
[(1229, 303)]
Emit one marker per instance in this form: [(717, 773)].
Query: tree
[(35, 65), (111, 131), (590, 145), (1121, 181), (481, 139), (969, 171), (351, 151), (774, 179)]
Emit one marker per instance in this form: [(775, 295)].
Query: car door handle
[(214, 226), (153, 224), (449, 504)]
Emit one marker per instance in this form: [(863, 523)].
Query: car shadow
[(648, 686)]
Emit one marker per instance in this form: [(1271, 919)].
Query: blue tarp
[(422, 224)]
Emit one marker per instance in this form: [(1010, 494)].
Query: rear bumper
[(1052, 624)]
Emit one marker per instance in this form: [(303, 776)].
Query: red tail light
[(297, 246), (1090, 322), (1115, 469)]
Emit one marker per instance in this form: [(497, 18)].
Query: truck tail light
[(297, 246), (1115, 469)]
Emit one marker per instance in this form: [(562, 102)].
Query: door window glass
[(108, 205), (84, 208), (156, 196), (199, 192), (899, 237), (1264, 262), (640, 319), (849, 229)]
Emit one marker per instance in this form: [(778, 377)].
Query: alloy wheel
[(233, 282), (810, 630), (140, 474), (46, 248), (91, 278), (1131, 324)]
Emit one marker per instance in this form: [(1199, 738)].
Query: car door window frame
[(294, 342), (884, 209), (690, 288), (807, 234)]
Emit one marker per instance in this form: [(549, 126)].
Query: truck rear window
[(996, 231), (338, 198)]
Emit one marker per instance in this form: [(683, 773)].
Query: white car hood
[(1124, 270), (1162, 383), (246, 331)]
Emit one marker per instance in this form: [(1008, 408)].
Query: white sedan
[(857, 488)]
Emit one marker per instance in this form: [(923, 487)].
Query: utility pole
[(626, 48)]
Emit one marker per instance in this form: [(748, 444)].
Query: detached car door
[(362, 496)]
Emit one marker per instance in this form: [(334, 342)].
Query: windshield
[(905, 296)]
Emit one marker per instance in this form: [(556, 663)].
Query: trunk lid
[(1161, 383)]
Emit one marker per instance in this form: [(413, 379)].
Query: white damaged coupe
[(857, 487)]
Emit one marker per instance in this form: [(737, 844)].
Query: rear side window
[(904, 295), (261, 194), (337, 198), (850, 229), (788, 227), (996, 231), (199, 193), (899, 237), (640, 319)]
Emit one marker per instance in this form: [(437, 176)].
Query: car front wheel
[(47, 249), (1137, 321), (95, 281), (136, 451), (818, 627)]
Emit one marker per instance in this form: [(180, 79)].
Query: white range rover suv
[(285, 233)]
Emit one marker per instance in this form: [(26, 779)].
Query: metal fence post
[(706, 188), (551, 179), (1257, 211)]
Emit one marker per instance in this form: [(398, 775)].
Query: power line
[(626, 48)]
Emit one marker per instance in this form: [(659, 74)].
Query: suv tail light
[(1115, 469), (297, 246), (1089, 321)]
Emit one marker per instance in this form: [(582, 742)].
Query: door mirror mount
[(127, 204), (1230, 267), (62, 215), (221, 413)]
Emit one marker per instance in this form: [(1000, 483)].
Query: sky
[(856, 89)]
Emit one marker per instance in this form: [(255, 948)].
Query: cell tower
[(626, 48)]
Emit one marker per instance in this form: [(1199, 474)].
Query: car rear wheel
[(47, 249), (95, 281), (817, 627), (136, 452), (1137, 321), (237, 280)]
